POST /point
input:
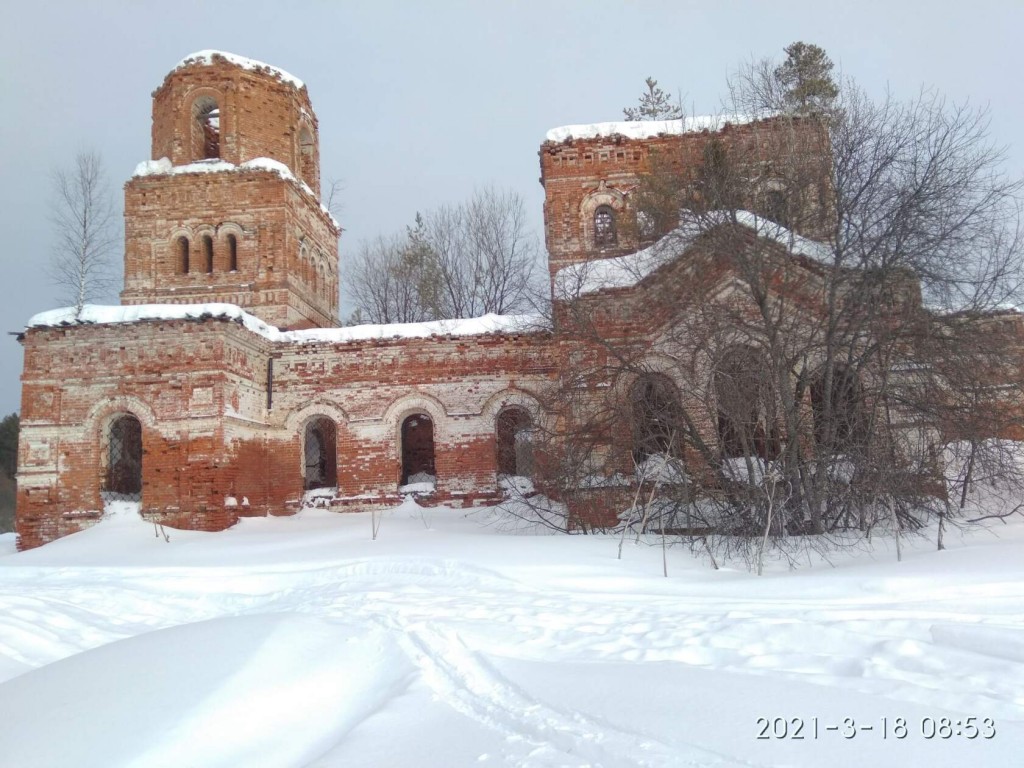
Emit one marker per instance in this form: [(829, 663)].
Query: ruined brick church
[(223, 387)]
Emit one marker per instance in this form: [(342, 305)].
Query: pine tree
[(806, 77), (654, 105)]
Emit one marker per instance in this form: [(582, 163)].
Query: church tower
[(228, 209)]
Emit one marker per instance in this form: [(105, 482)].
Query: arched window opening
[(320, 453), (306, 148), (304, 261), (232, 253), (207, 254), (657, 418), (182, 265), (123, 453), (646, 226), (418, 450), (743, 392), (604, 226), (838, 411), (206, 128), (514, 432), (776, 207)]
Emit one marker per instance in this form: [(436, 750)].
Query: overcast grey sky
[(419, 102)]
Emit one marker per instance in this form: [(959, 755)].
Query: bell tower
[(228, 208)]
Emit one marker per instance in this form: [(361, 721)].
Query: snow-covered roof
[(103, 315), (163, 166), (206, 57), (628, 270), (646, 129)]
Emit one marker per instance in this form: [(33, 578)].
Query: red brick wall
[(261, 115), (579, 174), (199, 388), (269, 218)]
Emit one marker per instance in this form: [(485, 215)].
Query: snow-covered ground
[(446, 642)]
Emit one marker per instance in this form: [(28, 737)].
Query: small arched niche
[(181, 255)]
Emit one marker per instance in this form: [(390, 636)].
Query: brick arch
[(409, 403), (225, 231), (175, 265), (512, 397), (103, 410), (299, 418), (321, 406), (191, 136), (199, 245), (605, 196)]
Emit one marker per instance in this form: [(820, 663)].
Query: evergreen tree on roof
[(654, 105), (806, 77)]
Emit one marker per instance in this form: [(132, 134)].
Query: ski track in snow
[(451, 616)]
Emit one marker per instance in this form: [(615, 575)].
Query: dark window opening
[(514, 430), (657, 418), (776, 207), (206, 129), (418, 450), (743, 391), (604, 226), (123, 480), (839, 417), (207, 254), (182, 255), (232, 254), (320, 454)]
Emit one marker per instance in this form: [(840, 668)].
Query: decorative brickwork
[(249, 235), (208, 416)]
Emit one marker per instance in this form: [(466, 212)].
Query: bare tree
[(457, 261), (393, 280), (83, 221), (822, 332)]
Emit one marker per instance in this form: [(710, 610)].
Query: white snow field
[(447, 642)]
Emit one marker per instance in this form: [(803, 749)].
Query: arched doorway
[(123, 476), (418, 449), (744, 394), (657, 418), (839, 424), (320, 453), (514, 437)]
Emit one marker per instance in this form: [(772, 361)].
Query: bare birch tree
[(83, 219)]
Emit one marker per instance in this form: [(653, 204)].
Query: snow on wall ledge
[(163, 167), (646, 129), (103, 315), (206, 58), (628, 270)]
